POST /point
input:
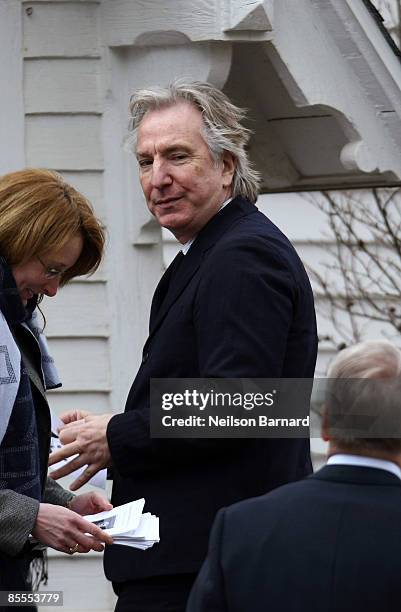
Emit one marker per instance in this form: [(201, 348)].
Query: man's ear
[(229, 163), (325, 426)]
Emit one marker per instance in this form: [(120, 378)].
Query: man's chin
[(170, 221)]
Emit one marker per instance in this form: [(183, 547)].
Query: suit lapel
[(163, 287), (164, 298)]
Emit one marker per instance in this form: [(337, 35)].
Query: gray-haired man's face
[(183, 185)]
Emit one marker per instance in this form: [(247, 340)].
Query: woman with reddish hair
[(48, 235)]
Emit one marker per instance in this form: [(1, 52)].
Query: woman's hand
[(89, 503), (67, 531)]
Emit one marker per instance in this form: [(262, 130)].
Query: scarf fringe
[(39, 569)]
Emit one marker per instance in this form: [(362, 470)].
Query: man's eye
[(143, 163), (179, 156)]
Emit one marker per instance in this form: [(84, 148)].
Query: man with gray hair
[(332, 541), (235, 303)]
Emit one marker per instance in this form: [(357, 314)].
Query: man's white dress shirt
[(362, 461)]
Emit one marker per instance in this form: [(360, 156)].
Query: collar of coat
[(205, 240)]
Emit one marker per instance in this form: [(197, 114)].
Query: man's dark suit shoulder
[(256, 231), (330, 540), (307, 495), (254, 244)]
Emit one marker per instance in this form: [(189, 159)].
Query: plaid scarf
[(19, 450)]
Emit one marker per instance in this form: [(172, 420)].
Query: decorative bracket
[(250, 15)]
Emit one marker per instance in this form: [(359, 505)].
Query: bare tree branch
[(362, 276)]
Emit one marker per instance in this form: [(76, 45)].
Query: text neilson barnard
[(231, 421)]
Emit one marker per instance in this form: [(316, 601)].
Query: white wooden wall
[(62, 102)]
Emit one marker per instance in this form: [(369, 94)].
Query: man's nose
[(51, 287), (161, 176)]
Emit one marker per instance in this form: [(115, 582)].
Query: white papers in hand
[(128, 526)]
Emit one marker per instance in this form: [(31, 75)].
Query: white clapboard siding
[(294, 215), (79, 310), (83, 363), (61, 400), (90, 184), (99, 276), (123, 20), (77, 88), (64, 142), (56, 29)]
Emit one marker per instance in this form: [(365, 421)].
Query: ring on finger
[(74, 549)]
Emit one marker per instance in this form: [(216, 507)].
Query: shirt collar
[(362, 461), (185, 247)]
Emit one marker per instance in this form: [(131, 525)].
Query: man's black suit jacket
[(238, 305), (330, 543)]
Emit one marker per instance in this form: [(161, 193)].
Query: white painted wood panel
[(99, 276), (64, 142), (11, 77), (61, 401), (123, 21), (61, 85), (80, 309), (56, 29), (83, 363), (245, 15), (323, 156), (90, 184), (63, 2)]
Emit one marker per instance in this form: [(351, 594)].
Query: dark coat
[(239, 305), (330, 543)]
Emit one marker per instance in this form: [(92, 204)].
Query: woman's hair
[(40, 212)]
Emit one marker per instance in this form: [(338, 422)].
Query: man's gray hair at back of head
[(365, 395), (222, 130), (370, 359)]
